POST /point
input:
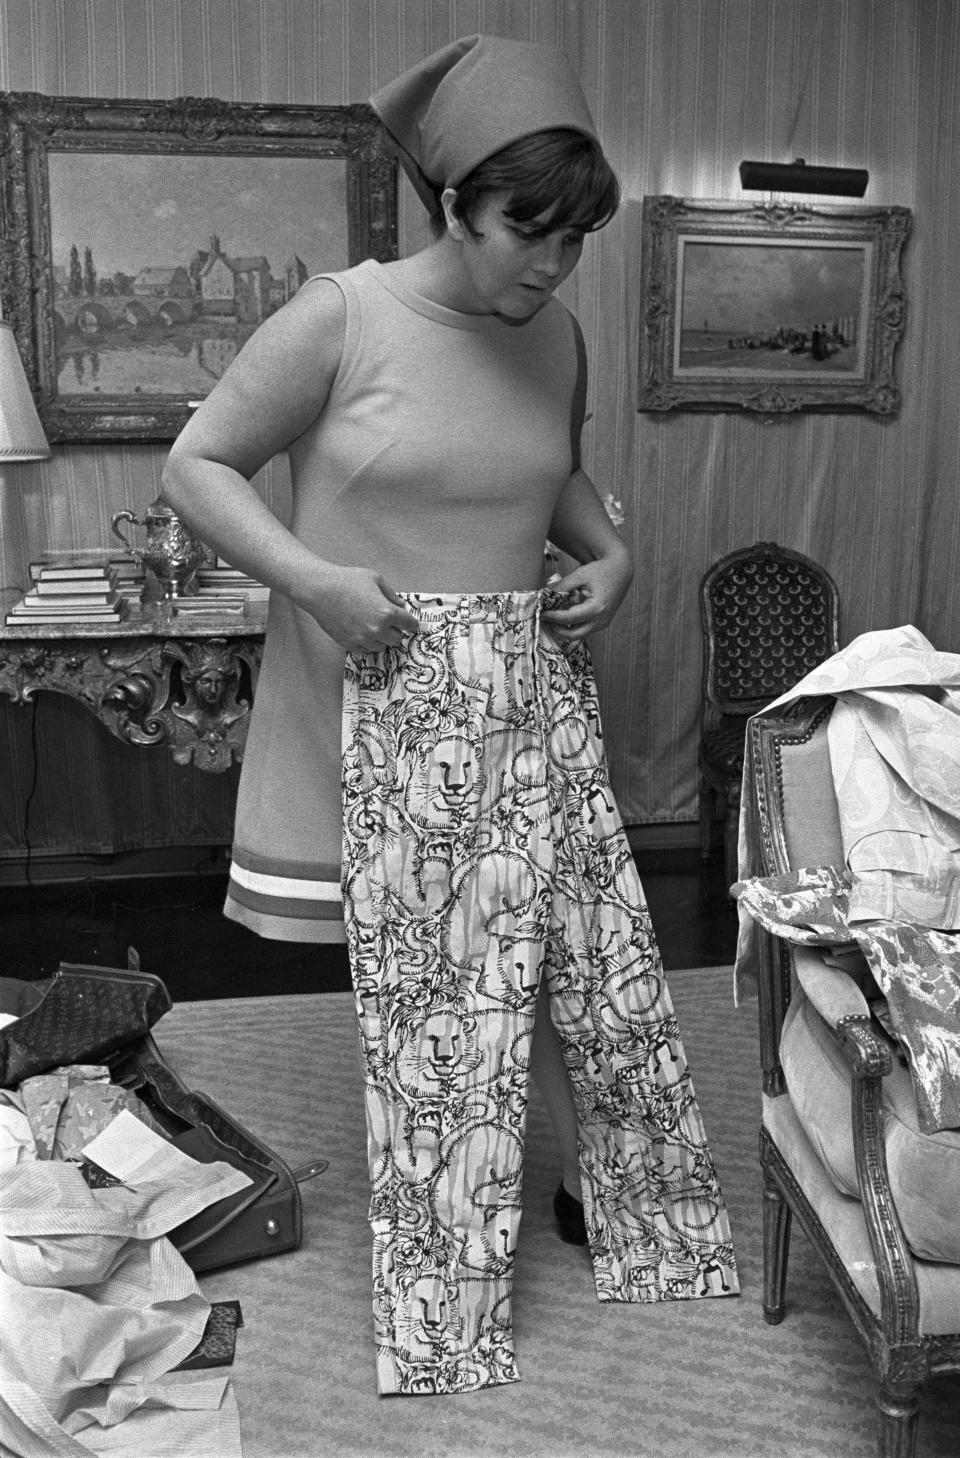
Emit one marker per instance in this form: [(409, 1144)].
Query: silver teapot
[(172, 552)]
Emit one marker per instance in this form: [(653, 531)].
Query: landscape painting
[(143, 242), (773, 307), (156, 295)]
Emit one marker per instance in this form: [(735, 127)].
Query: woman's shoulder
[(347, 282), (319, 301)]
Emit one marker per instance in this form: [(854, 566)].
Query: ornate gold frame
[(736, 374), (33, 125)]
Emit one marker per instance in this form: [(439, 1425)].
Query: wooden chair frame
[(901, 1355)]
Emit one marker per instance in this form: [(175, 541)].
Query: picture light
[(798, 177)]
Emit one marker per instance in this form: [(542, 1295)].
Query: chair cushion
[(924, 1169), (843, 1220)]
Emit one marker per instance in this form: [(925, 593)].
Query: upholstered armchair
[(841, 1145), (768, 616)]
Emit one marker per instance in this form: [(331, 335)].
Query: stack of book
[(225, 581), (130, 576), (70, 594), (223, 589)]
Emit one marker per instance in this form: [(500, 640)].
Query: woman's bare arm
[(582, 529), (273, 390)]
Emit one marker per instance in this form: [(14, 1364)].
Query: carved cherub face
[(210, 687)]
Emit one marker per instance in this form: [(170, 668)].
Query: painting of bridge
[(155, 296)]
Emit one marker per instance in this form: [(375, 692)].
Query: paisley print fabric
[(810, 906), (916, 969), (482, 850), (919, 973)]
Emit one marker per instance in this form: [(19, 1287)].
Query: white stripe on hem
[(267, 885)]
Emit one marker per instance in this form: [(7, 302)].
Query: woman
[(432, 408)]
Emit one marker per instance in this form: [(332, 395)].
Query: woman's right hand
[(358, 609)]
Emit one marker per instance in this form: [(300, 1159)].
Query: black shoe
[(569, 1214)]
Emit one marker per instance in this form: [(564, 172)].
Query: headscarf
[(473, 97)]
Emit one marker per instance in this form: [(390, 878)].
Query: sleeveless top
[(440, 452)]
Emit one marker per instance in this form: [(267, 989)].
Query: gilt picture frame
[(142, 242), (772, 307)]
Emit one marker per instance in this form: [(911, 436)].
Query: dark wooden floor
[(177, 927)]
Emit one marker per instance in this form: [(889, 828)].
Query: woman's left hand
[(596, 589)]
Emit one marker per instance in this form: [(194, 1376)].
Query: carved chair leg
[(897, 1431), (777, 1220)]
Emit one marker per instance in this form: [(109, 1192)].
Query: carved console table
[(156, 679)]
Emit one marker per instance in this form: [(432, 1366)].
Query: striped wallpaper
[(682, 90)]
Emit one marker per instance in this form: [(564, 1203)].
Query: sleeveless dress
[(453, 792), (440, 425)]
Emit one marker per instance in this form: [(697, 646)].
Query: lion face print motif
[(483, 852)]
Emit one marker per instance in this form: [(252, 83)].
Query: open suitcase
[(89, 1014)]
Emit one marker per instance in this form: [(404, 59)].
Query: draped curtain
[(682, 90)]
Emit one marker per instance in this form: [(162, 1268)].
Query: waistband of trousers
[(473, 607)]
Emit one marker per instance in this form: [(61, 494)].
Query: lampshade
[(21, 434), (798, 177)]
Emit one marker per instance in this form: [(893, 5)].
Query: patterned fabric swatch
[(219, 1342), (71, 1105), (916, 969), (809, 906)]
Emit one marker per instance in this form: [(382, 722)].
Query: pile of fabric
[(894, 744), (102, 1323)]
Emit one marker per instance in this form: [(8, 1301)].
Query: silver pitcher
[(172, 552)]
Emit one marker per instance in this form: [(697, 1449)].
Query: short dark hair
[(561, 174)]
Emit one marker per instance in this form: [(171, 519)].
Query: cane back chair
[(768, 616), (832, 1081)]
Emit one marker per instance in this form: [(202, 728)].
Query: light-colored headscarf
[(473, 97)]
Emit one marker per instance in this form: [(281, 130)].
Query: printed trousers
[(483, 851)]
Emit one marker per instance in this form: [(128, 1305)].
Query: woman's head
[(560, 178), (517, 221)]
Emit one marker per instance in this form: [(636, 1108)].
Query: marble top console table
[(182, 682)]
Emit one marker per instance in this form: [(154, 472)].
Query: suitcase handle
[(309, 1170)]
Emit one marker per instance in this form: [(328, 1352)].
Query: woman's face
[(512, 268)]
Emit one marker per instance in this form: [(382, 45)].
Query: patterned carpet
[(705, 1379)]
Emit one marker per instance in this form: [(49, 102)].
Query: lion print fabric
[(482, 850)]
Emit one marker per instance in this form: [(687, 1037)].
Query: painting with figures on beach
[(773, 307), (780, 309)]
